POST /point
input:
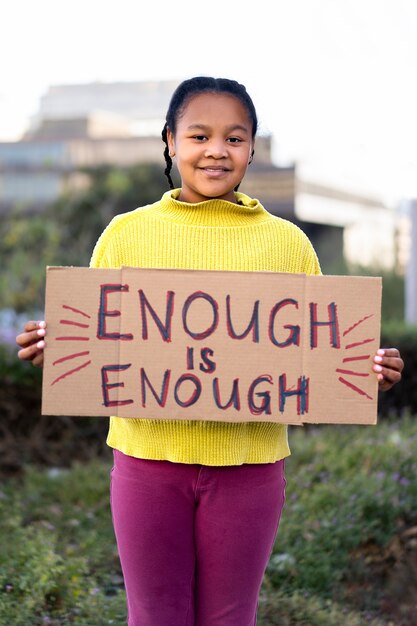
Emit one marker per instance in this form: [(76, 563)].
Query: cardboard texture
[(211, 345)]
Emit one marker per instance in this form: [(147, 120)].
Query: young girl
[(195, 504)]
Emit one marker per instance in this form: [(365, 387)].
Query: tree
[(66, 231), (83, 217)]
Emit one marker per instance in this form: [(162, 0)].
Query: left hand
[(388, 366)]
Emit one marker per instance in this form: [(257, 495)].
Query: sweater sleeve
[(103, 255), (311, 262), (307, 260)]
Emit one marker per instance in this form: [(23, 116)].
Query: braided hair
[(193, 87)]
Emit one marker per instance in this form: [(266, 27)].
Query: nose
[(216, 149)]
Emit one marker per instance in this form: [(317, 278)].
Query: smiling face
[(212, 145)]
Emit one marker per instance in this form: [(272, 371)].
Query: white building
[(142, 104), (78, 126)]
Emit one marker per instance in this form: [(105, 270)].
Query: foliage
[(15, 372), (399, 333), (393, 297), (66, 231), (277, 608), (27, 246), (402, 397), (59, 559), (349, 488), (83, 217), (368, 488), (26, 436)]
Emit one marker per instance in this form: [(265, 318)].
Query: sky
[(333, 81)]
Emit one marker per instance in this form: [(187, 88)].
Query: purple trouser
[(194, 540)]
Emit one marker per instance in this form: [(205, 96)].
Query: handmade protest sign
[(211, 345)]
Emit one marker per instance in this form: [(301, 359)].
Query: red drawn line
[(76, 369), (70, 356), (359, 343), (356, 358), (72, 338), (350, 372), (357, 324), (70, 323), (71, 308), (360, 391)]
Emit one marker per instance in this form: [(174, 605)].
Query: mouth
[(215, 169)]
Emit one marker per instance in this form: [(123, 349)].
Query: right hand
[(32, 343)]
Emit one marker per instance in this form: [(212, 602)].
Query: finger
[(390, 375), (388, 352), (389, 358), (391, 363), (38, 360), (385, 385), (383, 353), (24, 340), (31, 325), (387, 378), (28, 338), (29, 353), (395, 364)]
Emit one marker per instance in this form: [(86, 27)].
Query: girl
[(196, 505)]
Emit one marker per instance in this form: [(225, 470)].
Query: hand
[(388, 367), (32, 343)]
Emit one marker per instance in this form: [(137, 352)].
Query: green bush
[(66, 231), (351, 499), (300, 609), (26, 436), (401, 398), (15, 372), (349, 488), (59, 561)]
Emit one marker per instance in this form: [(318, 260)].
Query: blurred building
[(83, 126), (50, 161), (142, 104)]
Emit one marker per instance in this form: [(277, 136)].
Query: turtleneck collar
[(213, 212)]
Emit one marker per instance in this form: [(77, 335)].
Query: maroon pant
[(194, 540)]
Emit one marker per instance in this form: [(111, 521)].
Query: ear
[(171, 142)]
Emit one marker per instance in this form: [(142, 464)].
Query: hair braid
[(168, 159)]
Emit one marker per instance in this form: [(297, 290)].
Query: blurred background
[(83, 94), (84, 90)]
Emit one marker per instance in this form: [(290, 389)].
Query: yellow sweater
[(210, 235)]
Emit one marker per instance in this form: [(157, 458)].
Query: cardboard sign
[(211, 345)]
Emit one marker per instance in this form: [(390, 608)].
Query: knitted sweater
[(210, 235)]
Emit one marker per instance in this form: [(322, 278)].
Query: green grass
[(349, 489), (59, 549)]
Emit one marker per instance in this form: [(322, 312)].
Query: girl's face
[(212, 145)]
